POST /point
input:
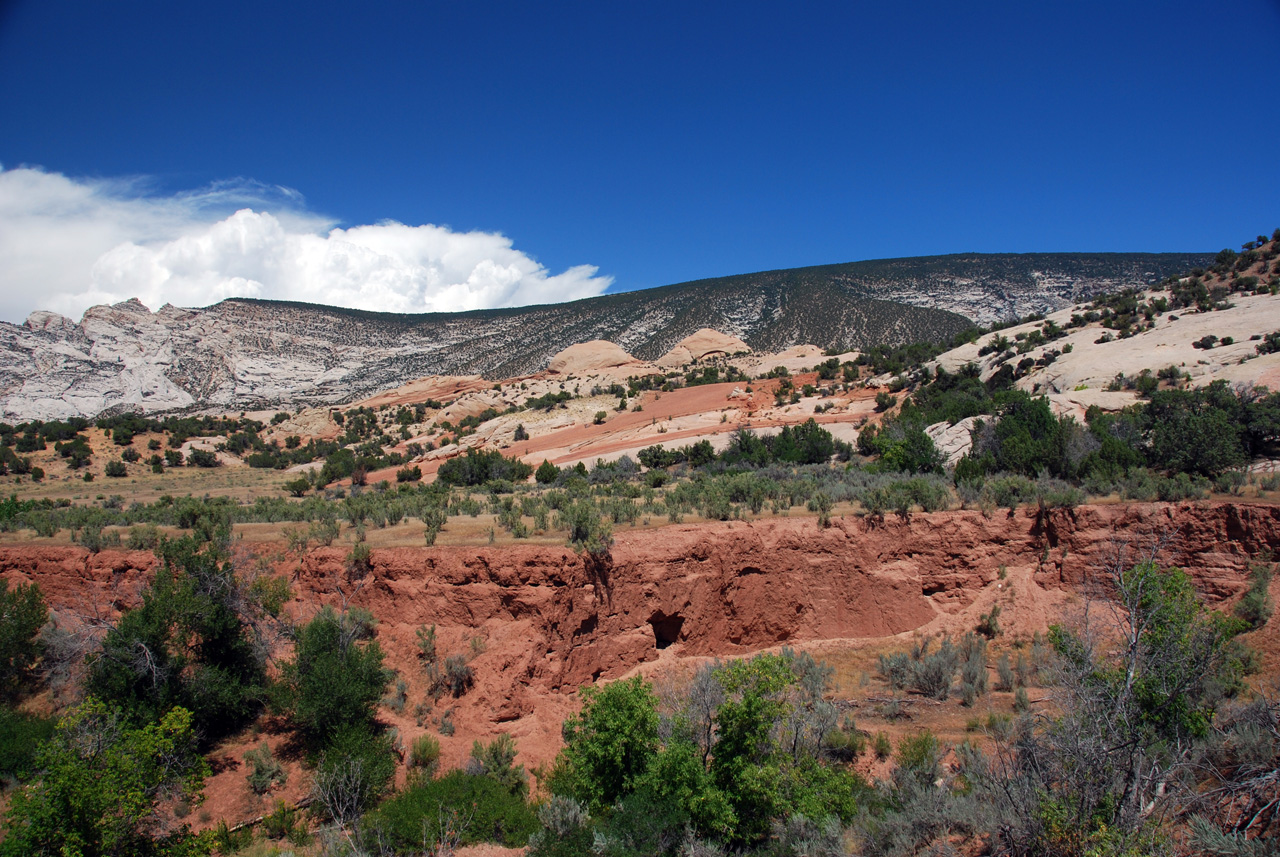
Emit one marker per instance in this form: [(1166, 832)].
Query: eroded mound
[(590, 356), (700, 345)]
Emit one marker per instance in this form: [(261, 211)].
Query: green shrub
[(1004, 673), (192, 625), (143, 537), (496, 814), (360, 560), (496, 760), (586, 530), (478, 467), (103, 801), (265, 771), (845, 743), (1182, 486), (989, 623), (458, 675), (546, 473), (901, 443), (336, 677), (932, 673), (1009, 491), (20, 734), (1056, 494), (22, 614), (973, 667), (895, 669), (919, 756), (353, 773), (203, 458), (228, 841), (424, 753), (928, 492), (1254, 608)]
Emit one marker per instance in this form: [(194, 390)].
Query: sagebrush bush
[(1009, 491), (1004, 674), (973, 670), (424, 752), (895, 668), (926, 672), (496, 760), (1255, 606), (932, 673), (264, 770)]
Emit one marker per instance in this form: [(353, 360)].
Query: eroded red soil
[(545, 620)]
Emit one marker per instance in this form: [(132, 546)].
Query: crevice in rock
[(666, 629)]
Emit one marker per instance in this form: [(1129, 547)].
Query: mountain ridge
[(245, 353)]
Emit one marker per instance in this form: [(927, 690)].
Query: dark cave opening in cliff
[(666, 629)]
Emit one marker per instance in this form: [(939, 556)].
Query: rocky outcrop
[(589, 357), (952, 441), (700, 345)]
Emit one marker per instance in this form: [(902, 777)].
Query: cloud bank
[(67, 244)]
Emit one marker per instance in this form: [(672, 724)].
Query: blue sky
[(655, 142)]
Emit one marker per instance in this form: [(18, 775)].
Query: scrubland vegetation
[(1178, 444), (1138, 734)]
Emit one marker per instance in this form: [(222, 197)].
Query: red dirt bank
[(552, 620)]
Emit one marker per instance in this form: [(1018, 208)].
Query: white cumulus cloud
[(67, 244)]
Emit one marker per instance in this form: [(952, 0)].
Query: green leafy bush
[(336, 678), (1254, 607), (353, 773), (103, 784), (187, 644), (492, 812), (20, 735), (22, 614)]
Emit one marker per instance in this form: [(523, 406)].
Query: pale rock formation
[(700, 345), (952, 440), (590, 356)]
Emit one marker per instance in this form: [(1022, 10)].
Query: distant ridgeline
[(246, 353)]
